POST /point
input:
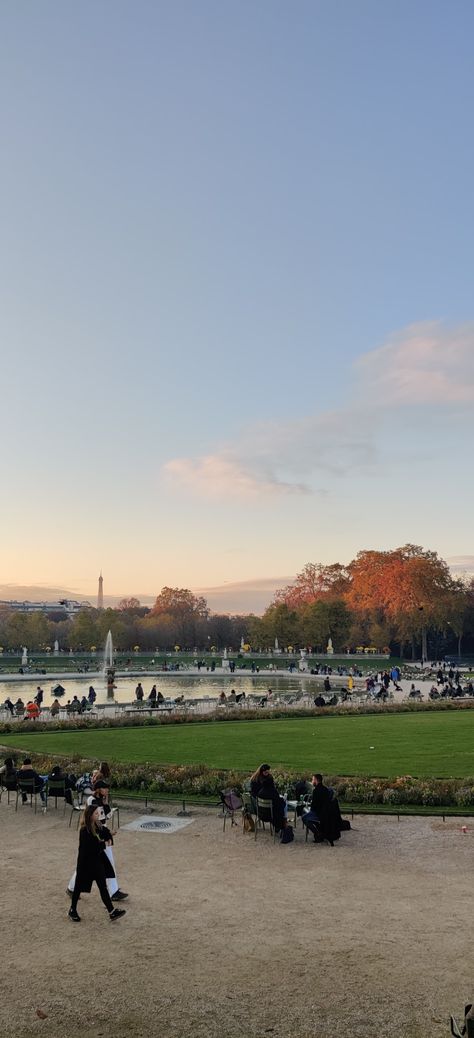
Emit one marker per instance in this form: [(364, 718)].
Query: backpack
[(345, 824), (287, 834), (84, 782)]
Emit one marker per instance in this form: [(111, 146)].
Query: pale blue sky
[(210, 213)]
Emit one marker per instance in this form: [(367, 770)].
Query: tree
[(114, 621), (459, 607), (315, 582), (326, 619), (126, 605), (158, 632), (254, 634), (408, 586), (278, 621), (85, 630), (16, 630), (187, 610), (38, 630)]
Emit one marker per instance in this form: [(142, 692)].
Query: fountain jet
[(109, 669)]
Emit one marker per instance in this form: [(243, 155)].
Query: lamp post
[(424, 643)]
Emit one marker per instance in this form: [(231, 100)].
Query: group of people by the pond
[(449, 685), (377, 686), (155, 697), (317, 805), (31, 710)]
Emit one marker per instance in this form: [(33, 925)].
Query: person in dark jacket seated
[(8, 774), (263, 786), (57, 775), (323, 817), (28, 774)]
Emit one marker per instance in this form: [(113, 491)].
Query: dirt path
[(225, 938)]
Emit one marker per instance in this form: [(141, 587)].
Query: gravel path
[(226, 938)]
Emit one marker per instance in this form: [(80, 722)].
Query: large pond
[(171, 685)]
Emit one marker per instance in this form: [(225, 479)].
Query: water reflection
[(171, 685)]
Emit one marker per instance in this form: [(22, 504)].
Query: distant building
[(68, 606), (100, 594)]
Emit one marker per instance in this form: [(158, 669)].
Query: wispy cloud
[(423, 365), (426, 363), (222, 474), (278, 458)]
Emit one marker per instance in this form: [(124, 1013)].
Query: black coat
[(92, 861), (326, 807), (266, 790)]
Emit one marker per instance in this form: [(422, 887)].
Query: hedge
[(198, 779), (84, 723)]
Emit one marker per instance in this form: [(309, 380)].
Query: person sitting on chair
[(28, 774), (8, 773), (262, 785), (57, 775), (322, 817)]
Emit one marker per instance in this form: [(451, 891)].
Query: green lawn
[(436, 745)]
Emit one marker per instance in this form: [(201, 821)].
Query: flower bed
[(198, 779)]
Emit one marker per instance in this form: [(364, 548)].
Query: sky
[(236, 315)]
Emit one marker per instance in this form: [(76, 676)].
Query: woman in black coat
[(93, 863), (263, 786)]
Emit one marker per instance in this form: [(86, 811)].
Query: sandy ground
[(225, 937)]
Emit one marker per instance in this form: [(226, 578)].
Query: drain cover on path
[(157, 824)]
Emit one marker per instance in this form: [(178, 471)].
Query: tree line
[(405, 600)]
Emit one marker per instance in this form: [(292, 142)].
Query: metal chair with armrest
[(264, 813)]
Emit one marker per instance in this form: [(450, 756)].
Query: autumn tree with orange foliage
[(381, 597), (411, 587), (314, 583)]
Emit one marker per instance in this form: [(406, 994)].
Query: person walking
[(116, 894), (93, 864)]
